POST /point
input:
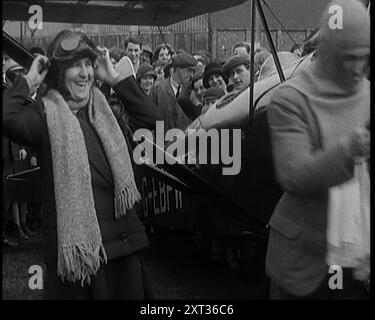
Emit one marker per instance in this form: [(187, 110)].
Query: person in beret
[(146, 77), (214, 77), (165, 93), (237, 69)]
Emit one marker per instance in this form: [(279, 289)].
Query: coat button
[(124, 237)]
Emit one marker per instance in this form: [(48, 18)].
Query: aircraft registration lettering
[(154, 198), (158, 197)]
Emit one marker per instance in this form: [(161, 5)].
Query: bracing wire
[(162, 36), (281, 25)]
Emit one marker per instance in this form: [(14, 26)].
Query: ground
[(179, 269)]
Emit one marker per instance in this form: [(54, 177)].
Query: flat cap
[(214, 93), (183, 60), (145, 69), (233, 62)]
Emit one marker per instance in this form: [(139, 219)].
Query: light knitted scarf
[(80, 247)]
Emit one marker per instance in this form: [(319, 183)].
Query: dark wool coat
[(167, 105), (142, 112), (26, 125)]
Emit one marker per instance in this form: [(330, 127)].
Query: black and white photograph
[(188, 155)]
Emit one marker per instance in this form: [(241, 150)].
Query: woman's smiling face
[(164, 56), (146, 83), (79, 78)]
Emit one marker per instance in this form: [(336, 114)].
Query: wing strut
[(252, 69), (257, 4)]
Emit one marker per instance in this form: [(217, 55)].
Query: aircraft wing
[(161, 13)]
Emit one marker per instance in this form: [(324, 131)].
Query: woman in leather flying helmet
[(92, 235)]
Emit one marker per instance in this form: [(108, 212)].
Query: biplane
[(178, 196)]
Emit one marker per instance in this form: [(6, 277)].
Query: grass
[(178, 270)]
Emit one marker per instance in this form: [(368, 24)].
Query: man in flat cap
[(165, 93), (320, 141), (237, 69)]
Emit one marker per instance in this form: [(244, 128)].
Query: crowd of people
[(71, 112), (21, 221), (180, 86)]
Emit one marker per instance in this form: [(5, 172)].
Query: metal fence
[(223, 40)]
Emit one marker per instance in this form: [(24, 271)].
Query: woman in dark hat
[(92, 235), (213, 76), (146, 77)]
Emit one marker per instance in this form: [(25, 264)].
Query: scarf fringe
[(125, 199), (79, 262), (79, 259)]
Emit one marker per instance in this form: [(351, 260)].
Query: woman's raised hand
[(37, 72), (104, 70)]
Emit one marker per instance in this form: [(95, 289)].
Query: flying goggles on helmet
[(73, 44)]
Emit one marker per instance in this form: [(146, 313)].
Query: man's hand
[(23, 154), (186, 90), (33, 161), (159, 73), (38, 71)]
